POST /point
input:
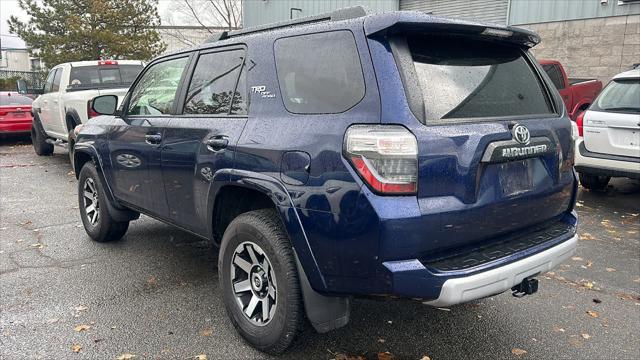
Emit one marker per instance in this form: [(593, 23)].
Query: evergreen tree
[(74, 30)]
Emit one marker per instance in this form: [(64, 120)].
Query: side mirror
[(22, 86), (105, 104)]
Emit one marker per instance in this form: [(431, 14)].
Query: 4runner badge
[(262, 90)]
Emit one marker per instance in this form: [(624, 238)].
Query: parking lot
[(155, 293)]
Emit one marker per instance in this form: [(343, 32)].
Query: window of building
[(218, 85), (319, 73)]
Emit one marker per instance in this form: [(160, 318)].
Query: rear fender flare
[(276, 191), (72, 114)]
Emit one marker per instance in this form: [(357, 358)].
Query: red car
[(15, 113)]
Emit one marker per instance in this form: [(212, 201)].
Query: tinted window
[(14, 100), (213, 86), (92, 76), (155, 92), (555, 75), (319, 73), (464, 78), (56, 81), (619, 96)]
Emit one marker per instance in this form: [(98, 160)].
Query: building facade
[(14, 55), (592, 38)]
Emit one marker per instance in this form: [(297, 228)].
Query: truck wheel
[(92, 202), (38, 139), (594, 182), (259, 281)]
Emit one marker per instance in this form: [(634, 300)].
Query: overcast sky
[(10, 7)]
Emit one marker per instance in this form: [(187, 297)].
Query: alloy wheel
[(254, 283), (91, 203)]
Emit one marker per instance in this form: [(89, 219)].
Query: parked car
[(576, 93), (15, 113), (608, 143), (342, 155), (66, 99)]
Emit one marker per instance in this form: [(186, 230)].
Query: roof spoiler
[(413, 21)]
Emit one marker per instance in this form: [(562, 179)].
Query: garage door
[(494, 11)]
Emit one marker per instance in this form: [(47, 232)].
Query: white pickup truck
[(67, 95)]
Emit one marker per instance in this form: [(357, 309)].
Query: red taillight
[(579, 122), (107, 62), (385, 157), (90, 112)]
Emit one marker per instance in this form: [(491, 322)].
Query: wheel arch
[(72, 119)]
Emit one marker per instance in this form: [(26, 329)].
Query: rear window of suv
[(621, 96), (319, 73), (462, 78)]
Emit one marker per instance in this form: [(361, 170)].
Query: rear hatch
[(494, 155), (612, 124)]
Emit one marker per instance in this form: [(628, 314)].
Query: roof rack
[(336, 15)]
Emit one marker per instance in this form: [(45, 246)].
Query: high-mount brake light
[(580, 123), (107, 62), (385, 157)]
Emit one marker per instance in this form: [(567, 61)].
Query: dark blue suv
[(343, 155)]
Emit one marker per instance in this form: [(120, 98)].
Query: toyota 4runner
[(342, 155)]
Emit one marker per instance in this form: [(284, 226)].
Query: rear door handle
[(153, 139), (217, 143)]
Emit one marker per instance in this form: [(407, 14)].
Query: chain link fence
[(8, 78)]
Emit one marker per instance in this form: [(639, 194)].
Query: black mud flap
[(325, 313)]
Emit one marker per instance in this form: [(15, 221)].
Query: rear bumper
[(460, 290), (603, 164), (15, 127), (455, 282)]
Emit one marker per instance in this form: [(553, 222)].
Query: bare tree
[(211, 13)]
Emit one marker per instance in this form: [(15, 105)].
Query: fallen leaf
[(381, 340), (610, 269), (385, 356), (82, 328), (518, 352), (588, 285), (597, 301), (152, 281), (593, 313), (76, 348), (51, 321), (37, 245), (206, 332), (637, 280), (341, 356), (579, 205), (577, 258), (81, 308), (444, 309), (585, 336), (558, 329), (589, 263), (586, 236), (201, 357), (425, 358), (125, 357)]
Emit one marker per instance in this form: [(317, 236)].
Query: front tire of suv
[(259, 281), (594, 182), (94, 211), (38, 139)]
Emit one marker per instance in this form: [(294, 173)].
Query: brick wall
[(598, 48)]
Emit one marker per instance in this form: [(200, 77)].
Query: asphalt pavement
[(155, 293)]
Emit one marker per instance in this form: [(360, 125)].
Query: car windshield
[(103, 75), (468, 78), (14, 100), (619, 96)]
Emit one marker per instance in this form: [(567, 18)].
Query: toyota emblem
[(521, 134)]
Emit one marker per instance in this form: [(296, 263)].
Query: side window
[(319, 73), (155, 93), (215, 87), (49, 82), (55, 87)]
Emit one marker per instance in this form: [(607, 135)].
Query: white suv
[(608, 142)]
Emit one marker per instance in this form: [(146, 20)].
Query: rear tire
[(38, 139), (94, 212), (594, 182), (256, 264)]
